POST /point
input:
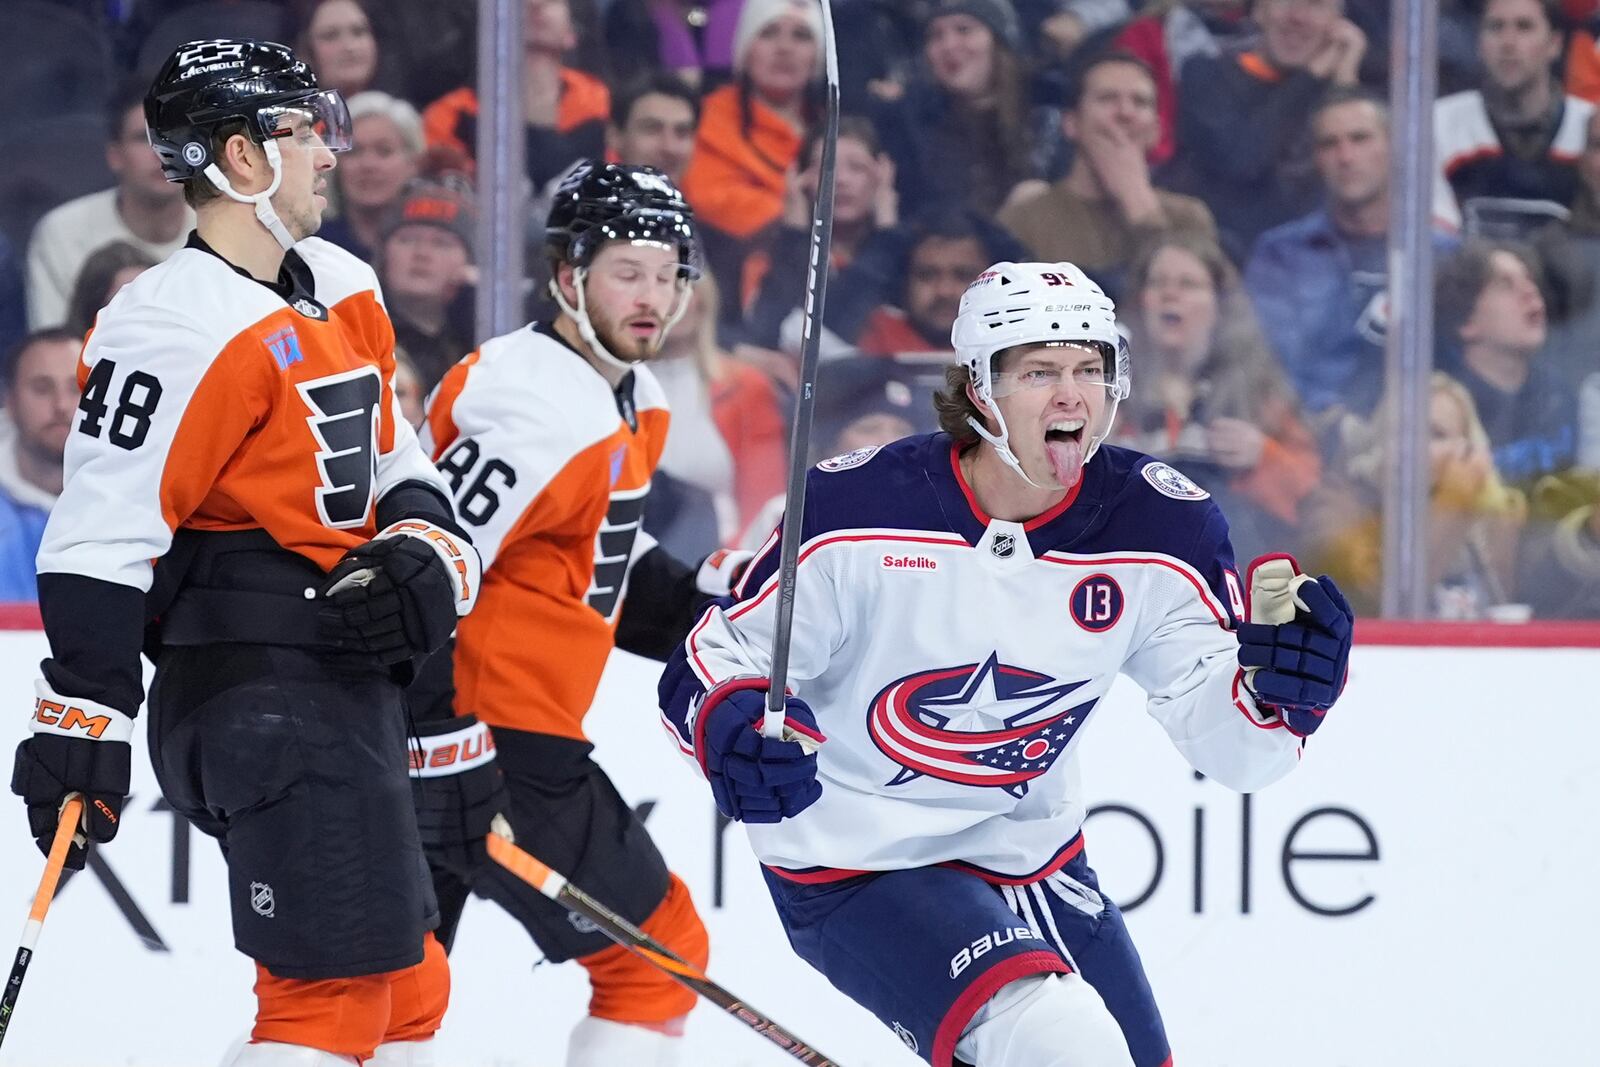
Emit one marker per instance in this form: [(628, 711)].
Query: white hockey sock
[(404, 1054), (274, 1054), (1053, 1020), (603, 1043)]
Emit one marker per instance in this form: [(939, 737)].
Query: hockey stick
[(71, 815), (806, 398), (555, 886)]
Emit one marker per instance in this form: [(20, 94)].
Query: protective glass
[(320, 121)]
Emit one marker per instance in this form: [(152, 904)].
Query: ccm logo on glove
[(80, 718), (465, 566)]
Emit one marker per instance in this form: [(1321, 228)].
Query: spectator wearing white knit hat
[(751, 129)]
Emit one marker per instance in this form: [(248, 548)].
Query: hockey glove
[(399, 595), (1295, 647), (458, 789), (755, 779), (74, 746)]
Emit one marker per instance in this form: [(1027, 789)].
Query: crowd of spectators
[(1220, 167)]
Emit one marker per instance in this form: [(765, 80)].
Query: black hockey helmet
[(207, 83), (599, 202)]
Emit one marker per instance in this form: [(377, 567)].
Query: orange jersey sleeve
[(211, 402), (551, 481)]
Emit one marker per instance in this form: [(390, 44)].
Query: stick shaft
[(556, 887), (806, 397), (71, 815)]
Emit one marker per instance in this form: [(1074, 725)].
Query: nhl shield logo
[(989, 725), (905, 1035), (1004, 545), (261, 899)]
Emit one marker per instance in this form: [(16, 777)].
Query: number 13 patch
[(1097, 603)]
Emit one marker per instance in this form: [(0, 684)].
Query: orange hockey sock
[(629, 990)]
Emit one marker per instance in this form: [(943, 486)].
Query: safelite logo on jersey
[(909, 563)]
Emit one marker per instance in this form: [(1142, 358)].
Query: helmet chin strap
[(580, 318), (262, 200), (1001, 441)]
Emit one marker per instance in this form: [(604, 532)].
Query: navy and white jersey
[(954, 660)]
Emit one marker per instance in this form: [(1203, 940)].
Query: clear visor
[(320, 121), (1086, 363)]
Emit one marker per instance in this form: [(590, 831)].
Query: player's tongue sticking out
[(1063, 449)]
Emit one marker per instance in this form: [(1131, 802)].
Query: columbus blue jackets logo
[(989, 725), (1169, 481), (848, 460)]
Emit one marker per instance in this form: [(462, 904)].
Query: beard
[(622, 344)]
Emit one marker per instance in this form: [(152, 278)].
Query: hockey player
[(239, 478), (964, 601), (548, 437)]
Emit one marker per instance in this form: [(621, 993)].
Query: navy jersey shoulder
[(895, 486), (1132, 502)]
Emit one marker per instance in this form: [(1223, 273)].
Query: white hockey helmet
[(1013, 304)]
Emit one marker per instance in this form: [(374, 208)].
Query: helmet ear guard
[(206, 85)]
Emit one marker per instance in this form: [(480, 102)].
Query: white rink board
[(1476, 770)]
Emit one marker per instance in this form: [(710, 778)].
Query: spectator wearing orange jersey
[(565, 109), (751, 130)]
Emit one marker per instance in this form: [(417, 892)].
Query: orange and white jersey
[(549, 476), (213, 402)]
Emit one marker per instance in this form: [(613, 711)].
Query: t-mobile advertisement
[(1419, 891)]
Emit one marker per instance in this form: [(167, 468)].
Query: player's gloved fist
[(1295, 644), (755, 778), (458, 789), (399, 595), (74, 746)]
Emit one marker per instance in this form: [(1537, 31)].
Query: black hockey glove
[(75, 746), (399, 595), (458, 789)]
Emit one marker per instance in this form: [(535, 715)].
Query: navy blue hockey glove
[(1295, 647), (457, 788), (75, 746), (399, 595), (756, 779)]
